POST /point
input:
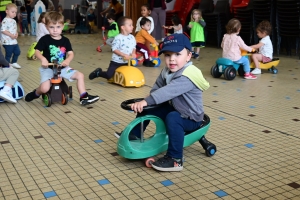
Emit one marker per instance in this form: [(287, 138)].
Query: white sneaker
[(28, 33), (16, 65), (22, 34), (256, 71), (7, 97)]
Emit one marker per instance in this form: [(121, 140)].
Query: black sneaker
[(148, 63), (131, 136), (168, 164), (95, 73), (196, 56), (88, 99), (31, 96)]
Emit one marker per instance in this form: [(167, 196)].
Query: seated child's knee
[(45, 87), (78, 76)]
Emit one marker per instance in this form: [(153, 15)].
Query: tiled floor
[(69, 152)]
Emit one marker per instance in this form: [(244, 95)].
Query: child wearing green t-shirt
[(197, 25), (113, 29)]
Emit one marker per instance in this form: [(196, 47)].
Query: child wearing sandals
[(265, 46), (232, 45)]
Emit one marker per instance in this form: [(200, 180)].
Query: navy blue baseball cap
[(176, 43)]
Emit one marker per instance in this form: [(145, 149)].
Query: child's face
[(110, 20), (196, 15), (261, 34), (127, 27), (55, 29), (144, 11), (11, 12), (147, 26), (175, 61)]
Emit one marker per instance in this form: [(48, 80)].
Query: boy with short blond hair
[(57, 47), (9, 36)]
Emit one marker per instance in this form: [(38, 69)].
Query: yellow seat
[(128, 76)]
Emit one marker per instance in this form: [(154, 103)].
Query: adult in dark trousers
[(3, 4), (158, 13)]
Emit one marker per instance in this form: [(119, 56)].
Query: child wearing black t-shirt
[(57, 47)]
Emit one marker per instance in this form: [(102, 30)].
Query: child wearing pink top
[(232, 45)]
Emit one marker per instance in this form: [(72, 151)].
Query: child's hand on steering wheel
[(126, 57), (45, 63), (139, 106), (65, 63)]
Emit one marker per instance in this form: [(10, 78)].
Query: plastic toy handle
[(103, 28), (126, 104)]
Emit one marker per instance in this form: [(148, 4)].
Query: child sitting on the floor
[(142, 38)]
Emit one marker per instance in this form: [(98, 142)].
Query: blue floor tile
[(49, 194), (167, 183), (50, 123), (103, 182), (221, 118), (98, 141), (220, 193), (249, 145), (115, 123), (251, 106)]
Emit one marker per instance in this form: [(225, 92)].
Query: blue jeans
[(25, 26), (245, 62), (176, 127), (12, 50)]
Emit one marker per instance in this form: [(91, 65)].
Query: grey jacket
[(180, 91)]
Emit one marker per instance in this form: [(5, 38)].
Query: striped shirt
[(24, 16)]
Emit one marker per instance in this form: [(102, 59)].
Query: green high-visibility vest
[(3, 4)]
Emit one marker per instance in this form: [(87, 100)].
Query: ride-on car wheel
[(210, 148), (65, 99), (229, 73), (47, 99), (274, 70), (215, 72), (156, 61), (149, 161), (241, 71), (70, 92)]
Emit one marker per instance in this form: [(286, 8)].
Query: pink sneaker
[(250, 76)]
